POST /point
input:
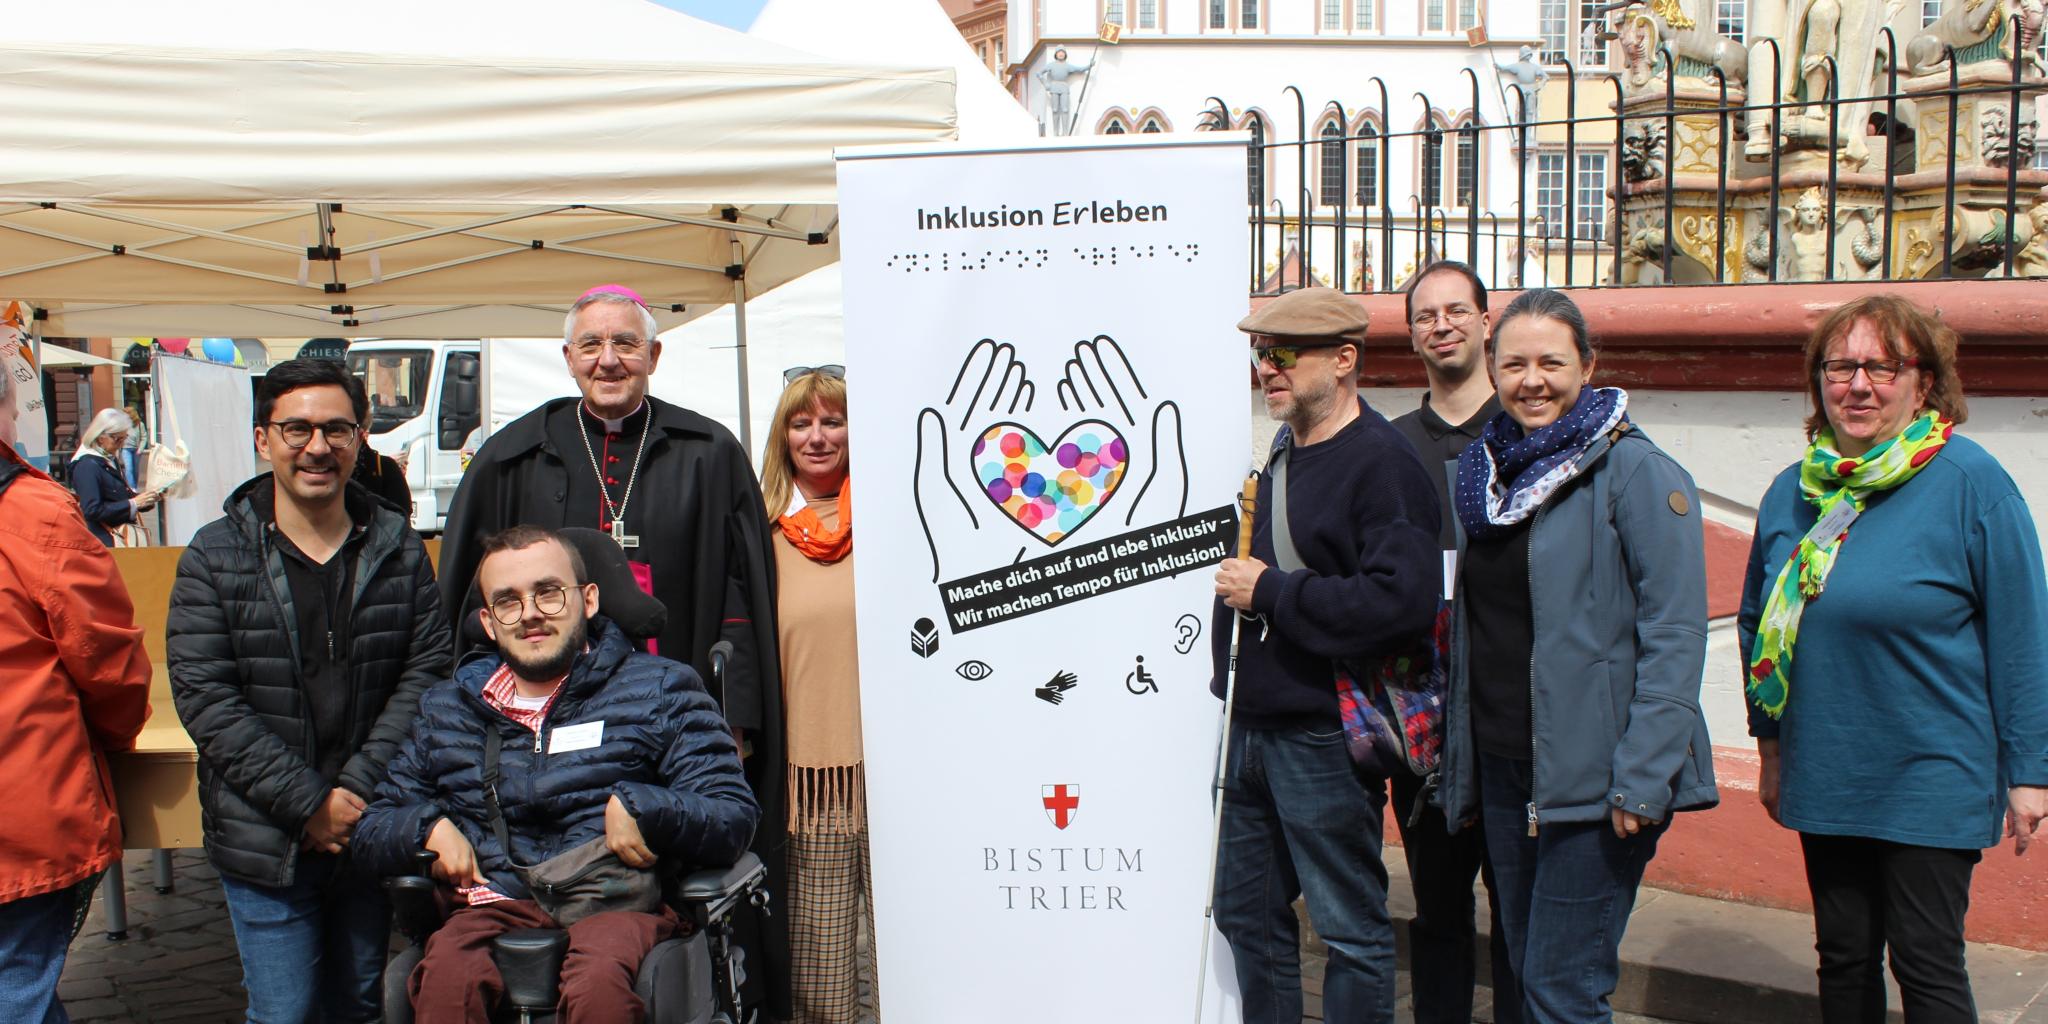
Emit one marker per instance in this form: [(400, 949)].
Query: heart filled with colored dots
[(1050, 489)]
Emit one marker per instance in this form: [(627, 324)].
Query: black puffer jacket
[(233, 643), (661, 747)]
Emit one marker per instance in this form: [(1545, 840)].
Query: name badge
[(581, 736), (1831, 525)]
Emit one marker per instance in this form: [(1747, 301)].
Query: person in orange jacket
[(74, 684)]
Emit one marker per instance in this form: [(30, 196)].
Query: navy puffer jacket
[(664, 750)]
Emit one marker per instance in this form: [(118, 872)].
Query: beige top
[(820, 670)]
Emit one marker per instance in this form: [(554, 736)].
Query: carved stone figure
[(1638, 39), (1055, 77), (1693, 41), (1867, 248), (2024, 140), (2032, 258), (1642, 256), (1996, 144), (1644, 146), (2032, 13), (1980, 30), (1809, 237), (1811, 32), (1528, 73)]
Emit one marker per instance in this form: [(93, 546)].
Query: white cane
[(1248, 502)]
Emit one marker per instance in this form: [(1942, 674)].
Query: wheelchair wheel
[(397, 1005)]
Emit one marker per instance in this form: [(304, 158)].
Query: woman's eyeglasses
[(833, 370), (1880, 371)]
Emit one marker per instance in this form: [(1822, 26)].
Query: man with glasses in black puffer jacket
[(304, 626)]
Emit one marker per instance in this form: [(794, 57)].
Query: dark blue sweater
[(1363, 514)]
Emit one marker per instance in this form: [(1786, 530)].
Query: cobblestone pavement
[(178, 963)]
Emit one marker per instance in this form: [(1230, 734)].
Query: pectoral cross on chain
[(625, 541)]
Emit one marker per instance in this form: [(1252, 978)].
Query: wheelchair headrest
[(619, 597)]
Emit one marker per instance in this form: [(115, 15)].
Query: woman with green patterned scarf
[(1895, 636)]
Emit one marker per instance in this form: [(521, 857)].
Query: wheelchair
[(694, 978)]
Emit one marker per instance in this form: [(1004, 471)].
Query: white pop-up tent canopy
[(418, 168), (800, 324)]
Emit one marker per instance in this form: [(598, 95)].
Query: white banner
[(210, 408), (18, 360), (1050, 427)]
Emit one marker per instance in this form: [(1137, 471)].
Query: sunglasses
[(1285, 357), (834, 370)]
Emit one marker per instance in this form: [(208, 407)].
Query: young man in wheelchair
[(596, 744)]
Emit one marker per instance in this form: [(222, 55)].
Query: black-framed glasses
[(794, 373), (548, 599), (1456, 316), (1880, 371), (626, 345), (1285, 357), (299, 433)]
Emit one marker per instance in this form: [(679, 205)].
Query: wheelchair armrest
[(710, 893), (418, 906)]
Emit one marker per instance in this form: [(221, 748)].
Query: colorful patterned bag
[(1394, 720), (1392, 708)]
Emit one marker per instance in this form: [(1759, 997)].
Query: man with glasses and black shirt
[(303, 628), (678, 493), (1447, 324), (1343, 569)]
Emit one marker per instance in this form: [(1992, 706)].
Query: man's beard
[(548, 666)]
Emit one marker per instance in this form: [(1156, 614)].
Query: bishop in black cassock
[(680, 492)]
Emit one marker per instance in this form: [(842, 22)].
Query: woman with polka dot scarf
[(1573, 728)]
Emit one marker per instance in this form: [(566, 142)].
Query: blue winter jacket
[(1618, 597), (664, 750)]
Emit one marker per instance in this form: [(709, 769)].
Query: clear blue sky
[(731, 13)]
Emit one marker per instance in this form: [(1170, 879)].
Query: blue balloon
[(220, 350)]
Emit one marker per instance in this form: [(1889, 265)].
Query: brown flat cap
[(1310, 313)]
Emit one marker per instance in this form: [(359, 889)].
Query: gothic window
[(1367, 164), (1332, 164)]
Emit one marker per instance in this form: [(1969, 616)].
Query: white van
[(425, 401)]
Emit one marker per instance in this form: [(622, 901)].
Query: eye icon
[(974, 671)]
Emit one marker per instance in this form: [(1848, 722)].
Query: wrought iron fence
[(1692, 194)]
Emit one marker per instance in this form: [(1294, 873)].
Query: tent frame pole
[(739, 327)]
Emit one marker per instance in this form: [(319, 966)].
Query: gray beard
[(550, 667)]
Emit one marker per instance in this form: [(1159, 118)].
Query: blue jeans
[(317, 945), (1300, 821), (1441, 867), (35, 933), (1565, 895)]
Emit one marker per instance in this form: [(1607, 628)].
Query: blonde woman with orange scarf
[(806, 494)]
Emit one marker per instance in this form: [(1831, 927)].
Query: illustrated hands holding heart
[(991, 384), (1047, 488)]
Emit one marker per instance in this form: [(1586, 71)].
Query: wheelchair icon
[(1140, 681)]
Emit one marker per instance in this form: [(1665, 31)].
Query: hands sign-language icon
[(1055, 689), (992, 382), (1099, 381)]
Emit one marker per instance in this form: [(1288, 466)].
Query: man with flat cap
[(1344, 571), (677, 492)]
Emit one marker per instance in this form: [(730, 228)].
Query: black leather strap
[(494, 744)]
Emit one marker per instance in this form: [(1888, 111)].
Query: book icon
[(924, 638)]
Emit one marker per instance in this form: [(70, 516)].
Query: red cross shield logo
[(1062, 802)]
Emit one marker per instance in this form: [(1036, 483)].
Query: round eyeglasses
[(549, 600)]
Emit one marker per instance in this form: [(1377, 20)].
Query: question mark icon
[(1189, 627)]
